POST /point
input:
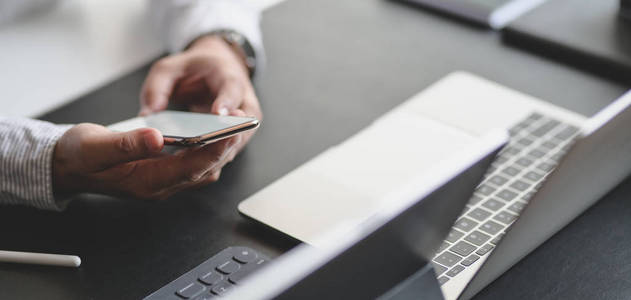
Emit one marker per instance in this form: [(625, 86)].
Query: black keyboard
[(214, 277)]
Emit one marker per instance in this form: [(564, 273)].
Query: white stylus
[(40, 258)]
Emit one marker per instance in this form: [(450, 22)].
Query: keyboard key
[(484, 249), (454, 271), (228, 267), (237, 277), (438, 269), (454, 235), (500, 160), (442, 247), (493, 204), (479, 214), (245, 256), (497, 180), (469, 260), (566, 133), (505, 217), (545, 128), (527, 196), (534, 117), (491, 227), (546, 167), (465, 224), (517, 207), (191, 290), (506, 195), (462, 248), (221, 288), (205, 297), (497, 239), (520, 185), (509, 151), (475, 199), (211, 278), (447, 259), (442, 280), (549, 144), (533, 176), (477, 238), (524, 141), (485, 190), (524, 162), (536, 153), (511, 171)]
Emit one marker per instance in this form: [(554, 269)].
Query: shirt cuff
[(26, 155)]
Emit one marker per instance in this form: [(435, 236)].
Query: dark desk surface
[(329, 62)]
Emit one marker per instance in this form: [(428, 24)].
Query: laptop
[(511, 212), (493, 13), (387, 256)]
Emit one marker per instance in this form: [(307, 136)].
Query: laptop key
[(517, 207), (524, 162), (498, 180), (509, 151), (442, 280), (438, 269), (245, 256), (549, 144), (545, 128), (479, 214), (493, 204), (505, 217), (485, 190), (534, 116), (511, 171), (546, 167), (491, 227), (454, 271), (221, 288), (536, 153), (484, 249), (465, 224), (191, 290), (228, 267), (447, 259), (462, 248), (469, 260), (477, 238), (533, 176), (520, 185), (454, 235), (566, 133), (506, 195), (497, 239), (475, 199), (524, 141), (210, 278), (443, 246)]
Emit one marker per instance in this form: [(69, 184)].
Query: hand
[(209, 77), (91, 158)]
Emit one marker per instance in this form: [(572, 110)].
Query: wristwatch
[(240, 44)]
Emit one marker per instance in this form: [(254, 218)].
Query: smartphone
[(189, 129)]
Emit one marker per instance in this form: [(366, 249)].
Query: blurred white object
[(50, 57)]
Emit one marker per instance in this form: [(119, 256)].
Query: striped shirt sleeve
[(26, 162)]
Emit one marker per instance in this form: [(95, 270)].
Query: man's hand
[(91, 158), (209, 77)]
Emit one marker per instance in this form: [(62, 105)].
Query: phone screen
[(183, 124)]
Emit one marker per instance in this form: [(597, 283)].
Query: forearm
[(26, 153)]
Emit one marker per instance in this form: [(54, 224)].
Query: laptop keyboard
[(214, 277), (535, 148)]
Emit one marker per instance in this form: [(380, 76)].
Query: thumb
[(229, 97), (114, 148)]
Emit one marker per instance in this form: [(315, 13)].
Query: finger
[(229, 97), (107, 149), (159, 85)]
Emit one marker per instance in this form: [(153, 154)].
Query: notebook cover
[(590, 35)]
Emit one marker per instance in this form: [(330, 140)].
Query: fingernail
[(151, 142), (223, 111)]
